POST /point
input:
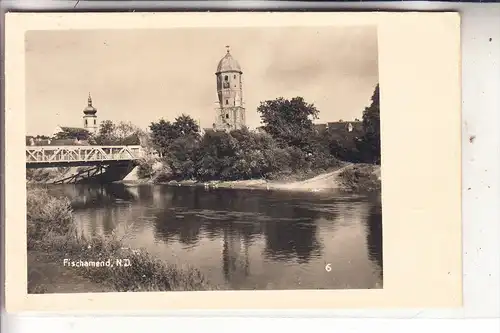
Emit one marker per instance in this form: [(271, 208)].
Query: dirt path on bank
[(45, 275), (322, 182)]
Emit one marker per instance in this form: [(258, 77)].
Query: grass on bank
[(360, 178), (51, 230)]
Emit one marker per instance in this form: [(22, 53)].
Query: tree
[(185, 125), (72, 133), (182, 157), (245, 138), (124, 130), (123, 133), (106, 134), (217, 154), (128, 134), (290, 122), (163, 133), (369, 144)]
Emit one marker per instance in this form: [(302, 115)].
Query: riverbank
[(348, 178), (101, 264), (48, 175)]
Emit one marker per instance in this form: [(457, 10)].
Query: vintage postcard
[(297, 160)]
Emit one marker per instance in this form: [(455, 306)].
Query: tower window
[(94, 122), (234, 76), (86, 122), (226, 78), (227, 115), (227, 102)]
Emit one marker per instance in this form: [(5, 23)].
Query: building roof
[(320, 126), (337, 125), (72, 129), (30, 141), (228, 64), (67, 142)]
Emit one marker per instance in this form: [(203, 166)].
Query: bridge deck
[(80, 155)]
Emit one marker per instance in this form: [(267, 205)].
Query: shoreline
[(340, 179), (349, 177)]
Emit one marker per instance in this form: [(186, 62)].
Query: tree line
[(109, 133), (288, 144)]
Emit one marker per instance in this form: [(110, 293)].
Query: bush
[(51, 230), (361, 177), (39, 175), (47, 215), (145, 168), (145, 272), (164, 174), (45, 175)]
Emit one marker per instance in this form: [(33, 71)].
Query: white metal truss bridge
[(65, 156)]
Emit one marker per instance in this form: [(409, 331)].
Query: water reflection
[(244, 239), (374, 237), (94, 196)]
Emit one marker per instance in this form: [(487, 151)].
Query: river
[(243, 239)]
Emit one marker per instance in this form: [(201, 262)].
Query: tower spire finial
[(227, 47), (90, 100)]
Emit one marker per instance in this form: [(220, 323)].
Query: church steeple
[(90, 110), (90, 117)]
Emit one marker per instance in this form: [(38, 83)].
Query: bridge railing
[(47, 154)]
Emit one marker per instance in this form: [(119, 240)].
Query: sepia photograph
[(239, 158), (203, 159)]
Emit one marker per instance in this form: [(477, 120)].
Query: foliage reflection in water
[(245, 239)]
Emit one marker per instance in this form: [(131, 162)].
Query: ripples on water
[(245, 239)]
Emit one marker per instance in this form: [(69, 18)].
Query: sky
[(141, 76)]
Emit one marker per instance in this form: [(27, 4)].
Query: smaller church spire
[(90, 100)]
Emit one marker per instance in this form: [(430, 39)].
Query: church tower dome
[(230, 113), (90, 117), (228, 64), (90, 110)]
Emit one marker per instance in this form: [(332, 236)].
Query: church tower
[(230, 111), (90, 117)]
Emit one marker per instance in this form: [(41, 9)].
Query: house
[(77, 132), (37, 141), (57, 130), (345, 126), (32, 141), (345, 132), (320, 127), (68, 142)]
